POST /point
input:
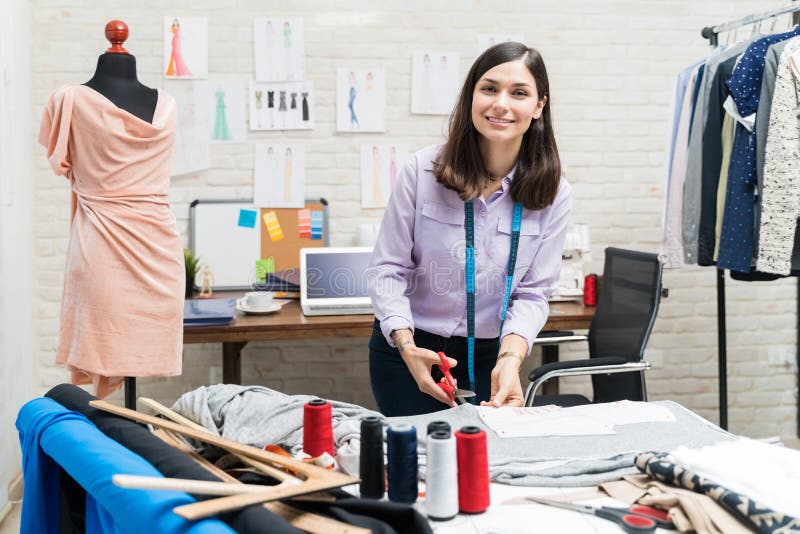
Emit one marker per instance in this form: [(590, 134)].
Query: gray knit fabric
[(257, 416)]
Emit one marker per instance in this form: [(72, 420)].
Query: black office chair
[(625, 314)]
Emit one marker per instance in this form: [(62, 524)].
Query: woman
[(500, 159)]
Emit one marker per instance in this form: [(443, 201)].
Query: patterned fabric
[(781, 179), (737, 244), (754, 515)]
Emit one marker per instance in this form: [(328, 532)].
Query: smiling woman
[(470, 248)]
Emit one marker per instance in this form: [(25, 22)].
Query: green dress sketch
[(221, 131)]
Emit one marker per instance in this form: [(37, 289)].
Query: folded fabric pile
[(757, 483)]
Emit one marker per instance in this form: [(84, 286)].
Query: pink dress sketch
[(177, 67)]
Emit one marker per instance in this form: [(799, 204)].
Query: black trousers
[(396, 391)]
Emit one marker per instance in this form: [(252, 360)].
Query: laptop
[(333, 280)]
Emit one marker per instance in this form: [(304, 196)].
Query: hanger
[(314, 478)]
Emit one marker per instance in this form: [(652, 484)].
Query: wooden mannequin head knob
[(117, 33)]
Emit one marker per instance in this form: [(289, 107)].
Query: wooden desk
[(290, 323)]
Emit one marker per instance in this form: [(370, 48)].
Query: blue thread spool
[(401, 449)]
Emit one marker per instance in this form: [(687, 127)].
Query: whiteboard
[(228, 249)]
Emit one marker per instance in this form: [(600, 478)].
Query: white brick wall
[(611, 64)]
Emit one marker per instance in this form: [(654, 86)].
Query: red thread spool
[(317, 428), (590, 290), (473, 470)]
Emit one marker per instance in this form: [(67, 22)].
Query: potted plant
[(192, 263)]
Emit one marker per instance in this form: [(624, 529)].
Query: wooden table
[(290, 323)]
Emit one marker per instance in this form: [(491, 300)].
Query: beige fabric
[(122, 304), (689, 511)]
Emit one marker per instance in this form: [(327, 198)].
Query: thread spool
[(401, 450), (433, 426), (473, 470), (441, 492), (370, 463), (317, 428), (590, 290)]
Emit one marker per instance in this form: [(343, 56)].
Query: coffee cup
[(259, 299)]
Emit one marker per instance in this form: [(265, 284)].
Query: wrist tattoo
[(521, 357), (403, 344)]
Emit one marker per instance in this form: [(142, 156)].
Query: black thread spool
[(370, 464), (433, 426)]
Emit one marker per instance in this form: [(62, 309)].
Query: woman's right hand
[(419, 362)]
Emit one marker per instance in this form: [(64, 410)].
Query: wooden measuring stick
[(316, 478)]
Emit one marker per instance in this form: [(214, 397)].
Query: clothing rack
[(712, 34)]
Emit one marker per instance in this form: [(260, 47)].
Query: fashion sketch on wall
[(279, 49), (281, 105), (434, 82), (380, 166), (219, 106), (185, 47), (360, 100), (485, 40), (279, 177), (191, 139)]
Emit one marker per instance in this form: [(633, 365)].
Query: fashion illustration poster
[(281, 105), (191, 142), (279, 49), (279, 178), (219, 107), (485, 40), (380, 165), (360, 100), (434, 82), (185, 47)]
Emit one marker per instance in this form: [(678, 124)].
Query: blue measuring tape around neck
[(469, 228)]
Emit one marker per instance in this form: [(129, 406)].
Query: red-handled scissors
[(637, 518), (448, 384)]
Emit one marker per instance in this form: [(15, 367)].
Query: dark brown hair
[(460, 166)]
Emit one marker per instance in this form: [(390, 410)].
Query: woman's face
[(505, 101)]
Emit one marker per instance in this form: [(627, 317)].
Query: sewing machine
[(576, 254)]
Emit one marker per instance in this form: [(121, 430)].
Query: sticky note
[(273, 226), (264, 267), (304, 223), (247, 218)]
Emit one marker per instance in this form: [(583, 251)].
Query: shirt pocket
[(529, 237), (441, 230)]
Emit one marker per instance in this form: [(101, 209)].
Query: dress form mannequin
[(115, 76)]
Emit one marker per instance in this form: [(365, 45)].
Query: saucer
[(241, 305)]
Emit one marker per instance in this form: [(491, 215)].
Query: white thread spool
[(441, 491)]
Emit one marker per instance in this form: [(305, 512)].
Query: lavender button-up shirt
[(417, 274)]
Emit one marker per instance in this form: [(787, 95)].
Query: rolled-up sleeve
[(392, 261), (528, 307)]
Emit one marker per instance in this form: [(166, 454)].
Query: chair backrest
[(626, 311)]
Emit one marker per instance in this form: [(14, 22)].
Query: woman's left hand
[(506, 387)]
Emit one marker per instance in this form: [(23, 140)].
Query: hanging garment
[(122, 304), (762, 124), (728, 129), (711, 161), (781, 181), (270, 99), (737, 245), (673, 238), (692, 187), (282, 101), (293, 104)]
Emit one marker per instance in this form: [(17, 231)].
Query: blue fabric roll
[(52, 436)]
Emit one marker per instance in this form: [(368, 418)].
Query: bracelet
[(521, 357), (403, 344)]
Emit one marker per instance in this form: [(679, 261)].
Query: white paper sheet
[(588, 420)]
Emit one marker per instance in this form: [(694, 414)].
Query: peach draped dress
[(122, 304)]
